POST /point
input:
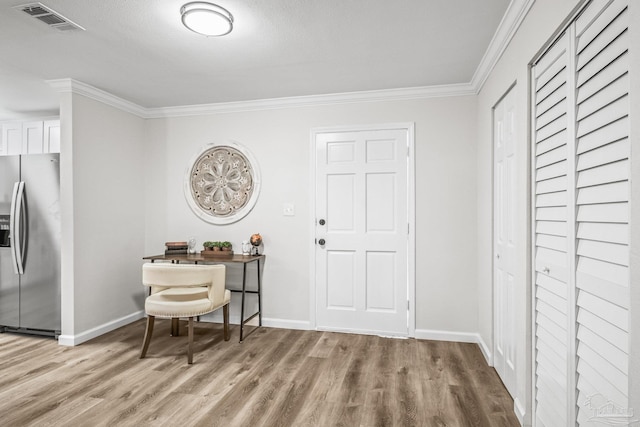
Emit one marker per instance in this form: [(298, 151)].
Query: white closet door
[(551, 252), (602, 174), (582, 190)]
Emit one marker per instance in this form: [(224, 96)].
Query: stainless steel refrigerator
[(30, 244)]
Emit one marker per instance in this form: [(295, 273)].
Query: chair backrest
[(161, 276)]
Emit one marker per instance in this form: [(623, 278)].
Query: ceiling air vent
[(49, 16)]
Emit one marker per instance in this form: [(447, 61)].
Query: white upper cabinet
[(51, 136), (32, 141), (32, 137), (11, 139)]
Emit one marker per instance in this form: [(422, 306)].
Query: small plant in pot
[(226, 246), (209, 245)]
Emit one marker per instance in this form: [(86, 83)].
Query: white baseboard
[(431, 334), (267, 322), (304, 325), (486, 351), (519, 409), (215, 317), (73, 340), (470, 337)]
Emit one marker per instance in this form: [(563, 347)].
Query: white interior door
[(362, 231), (504, 243), (552, 222)]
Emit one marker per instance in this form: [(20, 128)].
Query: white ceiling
[(138, 50)]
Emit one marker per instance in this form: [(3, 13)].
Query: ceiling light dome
[(206, 18)]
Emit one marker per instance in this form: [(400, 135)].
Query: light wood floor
[(277, 377)]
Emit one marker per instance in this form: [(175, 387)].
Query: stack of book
[(176, 248)]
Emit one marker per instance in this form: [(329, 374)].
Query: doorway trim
[(409, 127)]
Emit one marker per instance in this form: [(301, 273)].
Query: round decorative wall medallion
[(222, 183)]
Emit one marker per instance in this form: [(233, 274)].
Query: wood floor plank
[(269, 398), (276, 377)]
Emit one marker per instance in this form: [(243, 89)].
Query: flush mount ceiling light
[(206, 18)]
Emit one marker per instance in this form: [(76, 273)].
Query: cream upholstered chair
[(183, 290)]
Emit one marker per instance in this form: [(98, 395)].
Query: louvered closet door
[(581, 207), (602, 277), (551, 257)]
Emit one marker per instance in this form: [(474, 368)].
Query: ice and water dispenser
[(4, 231)]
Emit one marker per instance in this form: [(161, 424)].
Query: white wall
[(280, 140), (542, 21), (102, 195)]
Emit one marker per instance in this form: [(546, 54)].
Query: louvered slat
[(610, 213), (604, 251), (608, 173), (558, 243), (603, 155), (552, 171), (552, 185), (599, 269), (604, 232), (557, 213), (559, 198), (604, 193), (604, 289)]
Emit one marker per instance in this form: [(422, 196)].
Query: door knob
[(321, 242), (322, 222)]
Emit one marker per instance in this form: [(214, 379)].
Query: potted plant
[(209, 245), (226, 246)]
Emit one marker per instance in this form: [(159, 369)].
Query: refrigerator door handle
[(16, 228)]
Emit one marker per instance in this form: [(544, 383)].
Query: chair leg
[(175, 327), (190, 350), (225, 317), (147, 336)]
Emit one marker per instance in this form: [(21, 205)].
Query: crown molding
[(403, 94), (513, 17), (77, 87)]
